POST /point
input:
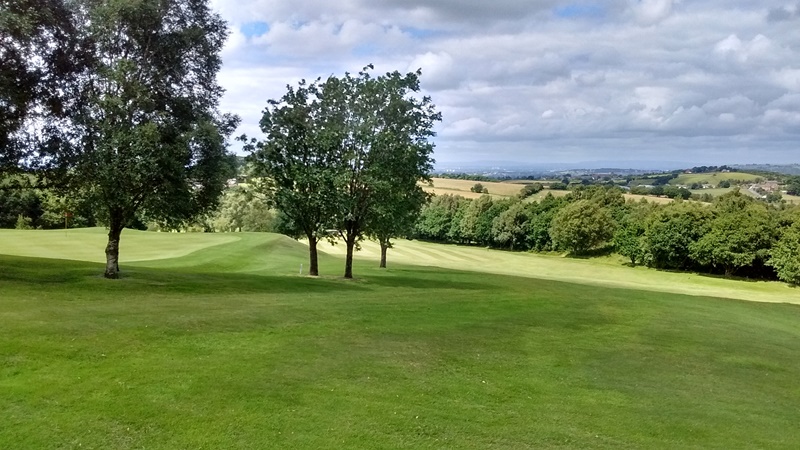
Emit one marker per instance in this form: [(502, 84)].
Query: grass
[(716, 192), (712, 177), (226, 347)]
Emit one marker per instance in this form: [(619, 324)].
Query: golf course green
[(217, 341)]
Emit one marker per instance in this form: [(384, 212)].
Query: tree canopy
[(135, 125)]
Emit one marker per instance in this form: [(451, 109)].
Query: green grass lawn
[(225, 346)]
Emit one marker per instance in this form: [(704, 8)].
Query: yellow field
[(462, 187), (649, 198)]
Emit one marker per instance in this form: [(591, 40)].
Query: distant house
[(233, 182), (769, 186)]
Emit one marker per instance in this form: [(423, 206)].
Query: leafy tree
[(18, 197), (395, 210), (671, 230), (785, 255), (735, 238), (436, 217), (793, 186), (629, 236), (479, 188), (456, 224), (298, 159), (538, 229), (149, 140), (242, 209), (510, 227), (384, 131), (530, 189), (42, 54), (581, 226), (472, 228)]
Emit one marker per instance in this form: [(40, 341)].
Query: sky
[(546, 81)]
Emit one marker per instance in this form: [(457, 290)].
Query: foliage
[(479, 188), (42, 54), (146, 139), (785, 254), (538, 227), (735, 238), (509, 228), (530, 189), (581, 226), (436, 217), (383, 132), (241, 209), (670, 231), (629, 237), (298, 160)]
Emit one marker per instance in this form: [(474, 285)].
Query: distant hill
[(786, 169)]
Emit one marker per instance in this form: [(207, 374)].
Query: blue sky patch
[(580, 10), (252, 29)]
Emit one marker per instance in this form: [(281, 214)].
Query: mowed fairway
[(225, 346)]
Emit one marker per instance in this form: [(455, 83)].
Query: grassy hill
[(712, 178), (218, 343)]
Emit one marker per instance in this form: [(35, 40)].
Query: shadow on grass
[(38, 273)]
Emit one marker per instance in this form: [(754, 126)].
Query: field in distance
[(442, 186), (223, 345)]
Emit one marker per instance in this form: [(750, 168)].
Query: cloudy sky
[(542, 81)]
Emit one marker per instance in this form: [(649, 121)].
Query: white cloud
[(648, 75)]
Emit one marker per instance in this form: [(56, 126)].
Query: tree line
[(735, 235)]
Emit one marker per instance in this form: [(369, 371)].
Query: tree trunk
[(348, 262), (313, 263), (112, 248), (384, 247)]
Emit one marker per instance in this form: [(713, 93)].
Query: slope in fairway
[(88, 244), (228, 348), (610, 271)]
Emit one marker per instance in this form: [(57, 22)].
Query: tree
[(581, 226), (148, 139), (670, 231), (628, 239), (479, 189), (436, 218), (735, 238), (298, 159), (510, 227), (394, 213), (384, 133), (42, 54), (538, 227), (471, 229), (793, 185), (530, 189), (785, 255), (241, 209)]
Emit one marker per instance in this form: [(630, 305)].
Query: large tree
[(581, 226), (386, 146), (148, 139), (299, 160)]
